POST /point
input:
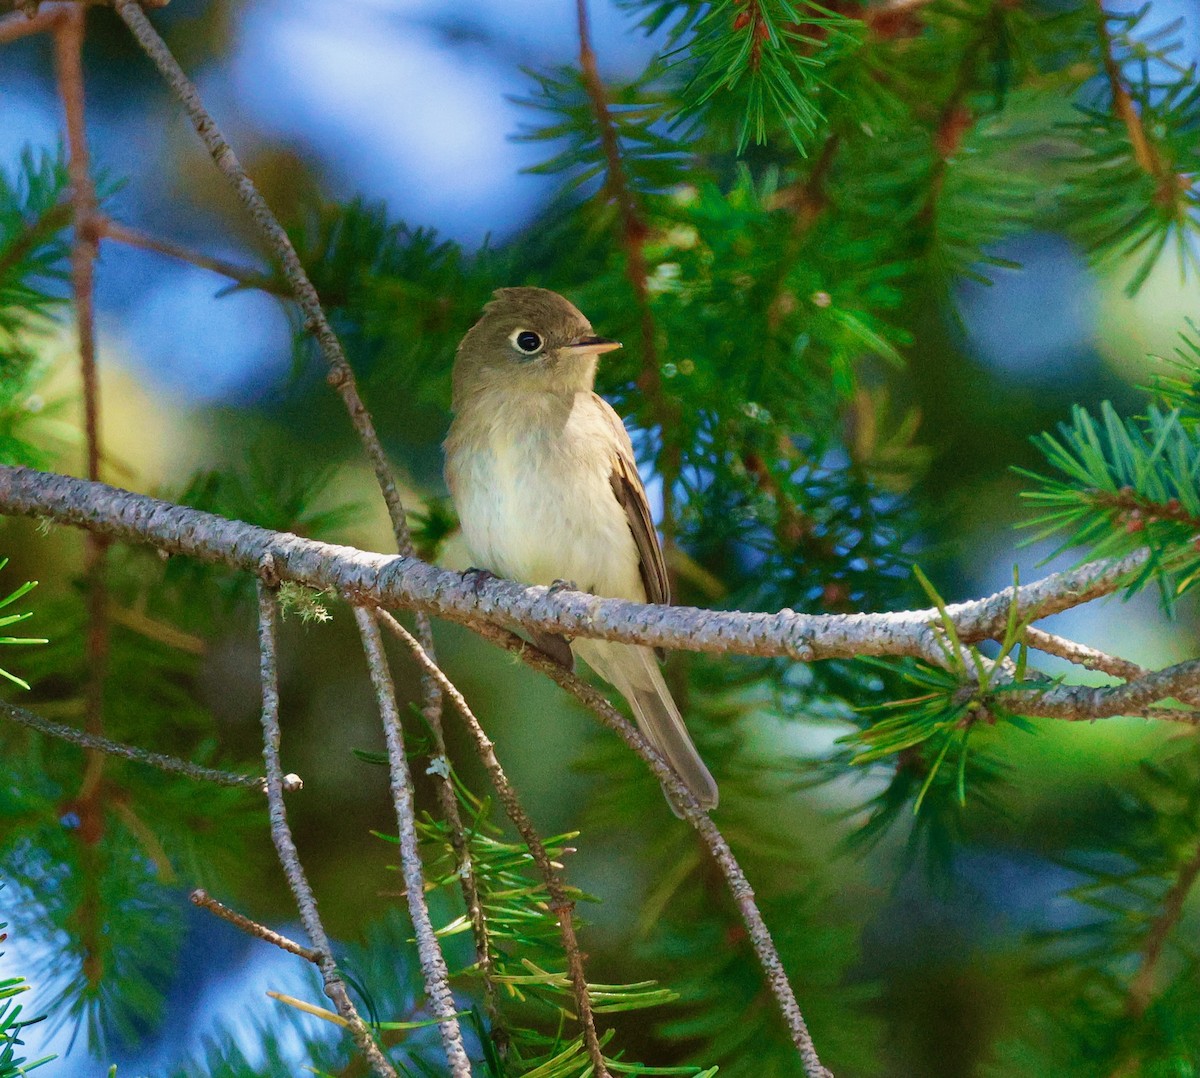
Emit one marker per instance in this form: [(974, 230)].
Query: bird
[(542, 474)]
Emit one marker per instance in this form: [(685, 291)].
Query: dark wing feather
[(627, 486)]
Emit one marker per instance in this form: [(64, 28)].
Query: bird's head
[(531, 340)]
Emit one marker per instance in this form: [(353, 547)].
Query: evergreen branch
[(204, 900), (136, 237), (398, 582), (55, 218), (718, 847), (433, 964), (560, 901), (1082, 655), (285, 845), (170, 764), (633, 240), (1142, 983), (21, 24), (1083, 702), (1144, 152)]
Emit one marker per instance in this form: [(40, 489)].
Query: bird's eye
[(525, 340)]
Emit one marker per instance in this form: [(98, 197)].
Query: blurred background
[(412, 102)]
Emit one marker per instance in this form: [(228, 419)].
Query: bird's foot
[(562, 585), (477, 578)]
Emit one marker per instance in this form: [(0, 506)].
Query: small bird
[(543, 476)]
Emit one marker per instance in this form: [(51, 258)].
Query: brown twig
[(17, 25), (682, 798), (1141, 985), (429, 951), (1143, 151), (560, 901), (285, 845), (204, 900), (90, 801), (170, 764), (109, 229), (633, 240)]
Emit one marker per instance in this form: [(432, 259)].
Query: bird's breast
[(532, 492)]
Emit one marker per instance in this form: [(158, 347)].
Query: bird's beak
[(592, 346)]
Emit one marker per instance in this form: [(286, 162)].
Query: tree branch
[(135, 237), (17, 25), (171, 764), (1143, 151), (399, 582), (1141, 985), (285, 845), (735, 878), (204, 900), (560, 902), (433, 964), (1079, 702)]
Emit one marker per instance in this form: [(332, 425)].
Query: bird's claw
[(562, 585), (477, 578)]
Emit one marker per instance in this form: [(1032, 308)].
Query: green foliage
[(13, 1065), (767, 215), (529, 963), (1126, 484), (34, 250), (766, 58), (1126, 200), (1129, 981), (6, 620), (652, 161)]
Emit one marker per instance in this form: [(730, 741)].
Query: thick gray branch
[(401, 582)]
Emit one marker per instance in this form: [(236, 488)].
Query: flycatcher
[(543, 476)]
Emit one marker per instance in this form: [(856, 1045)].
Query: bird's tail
[(634, 671)]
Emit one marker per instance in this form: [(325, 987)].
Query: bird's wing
[(627, 487)]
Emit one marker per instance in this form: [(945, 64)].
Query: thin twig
[(285, 845), (560, 901), (1143, 151), (17, 25), (135, 237), (1082, 655), (735, 878), (171, 764), (1141, 985), (429, 951), (68, 55), (204, 900), (1086, 702), (397, 582), (431, 711)]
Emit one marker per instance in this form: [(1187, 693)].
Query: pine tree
[(769, 216)]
